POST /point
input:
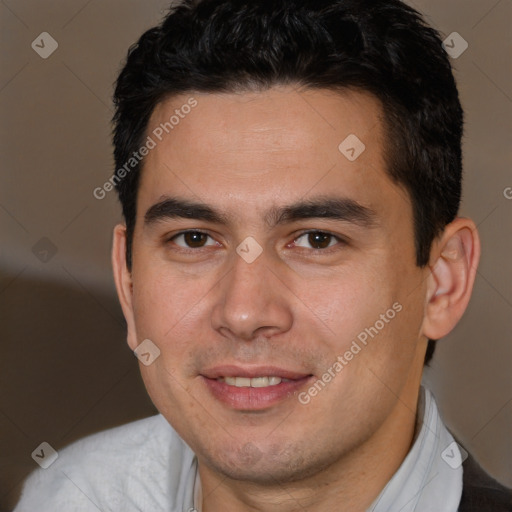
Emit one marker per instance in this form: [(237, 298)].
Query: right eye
[(192, 239)]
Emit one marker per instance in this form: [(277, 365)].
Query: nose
[(252, 301)]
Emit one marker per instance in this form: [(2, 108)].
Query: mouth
[(253, 389), (254, 382)]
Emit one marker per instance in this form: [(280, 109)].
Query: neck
[(352, 483)]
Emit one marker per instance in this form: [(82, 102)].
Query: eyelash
[(328, 249)]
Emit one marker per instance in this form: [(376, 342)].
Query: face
[(275, 271)]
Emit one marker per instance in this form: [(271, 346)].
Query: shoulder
[(481, 492), (131, 466)]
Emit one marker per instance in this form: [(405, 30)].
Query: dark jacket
[(480, 492)]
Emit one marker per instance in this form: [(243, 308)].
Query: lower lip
[(254, 399)]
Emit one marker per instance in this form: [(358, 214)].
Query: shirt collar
[(430, 477)]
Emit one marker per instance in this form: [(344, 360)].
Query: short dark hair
[(381, 47)]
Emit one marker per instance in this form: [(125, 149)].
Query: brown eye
[(316, 240), (192, 239), (319, 240)]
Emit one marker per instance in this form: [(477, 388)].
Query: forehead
[(255, 146)]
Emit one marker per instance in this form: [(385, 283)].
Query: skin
[(296, 306)]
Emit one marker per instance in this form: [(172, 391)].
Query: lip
[(253, 399)]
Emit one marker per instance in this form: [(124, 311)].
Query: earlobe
[(455, 259), (123, 281)]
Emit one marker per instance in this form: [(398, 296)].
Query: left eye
[(316, 240), (192, 239)]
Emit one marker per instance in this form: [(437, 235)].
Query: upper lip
[(252, 371)]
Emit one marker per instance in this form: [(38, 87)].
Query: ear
[(454, 260), (123, 280)]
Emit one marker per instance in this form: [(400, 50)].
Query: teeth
[(255, 382), (260, 382)]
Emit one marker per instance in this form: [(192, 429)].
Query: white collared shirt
[(146, 466), (430, 477)]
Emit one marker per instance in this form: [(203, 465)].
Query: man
[(290, 177)]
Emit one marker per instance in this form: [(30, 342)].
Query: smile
[(254, 382)]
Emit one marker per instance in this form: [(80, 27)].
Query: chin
[(267, 466)]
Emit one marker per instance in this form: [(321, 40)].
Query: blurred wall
[(65, 370)]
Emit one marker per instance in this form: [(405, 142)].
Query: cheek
[(348, 300), (391, 351), (371, 306), (165, 309), (160, 297)]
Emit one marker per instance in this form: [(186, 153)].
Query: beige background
[(64, 368)]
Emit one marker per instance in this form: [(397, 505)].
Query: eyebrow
[(335, 208)]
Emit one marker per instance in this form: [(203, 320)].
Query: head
[(248, 112)]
